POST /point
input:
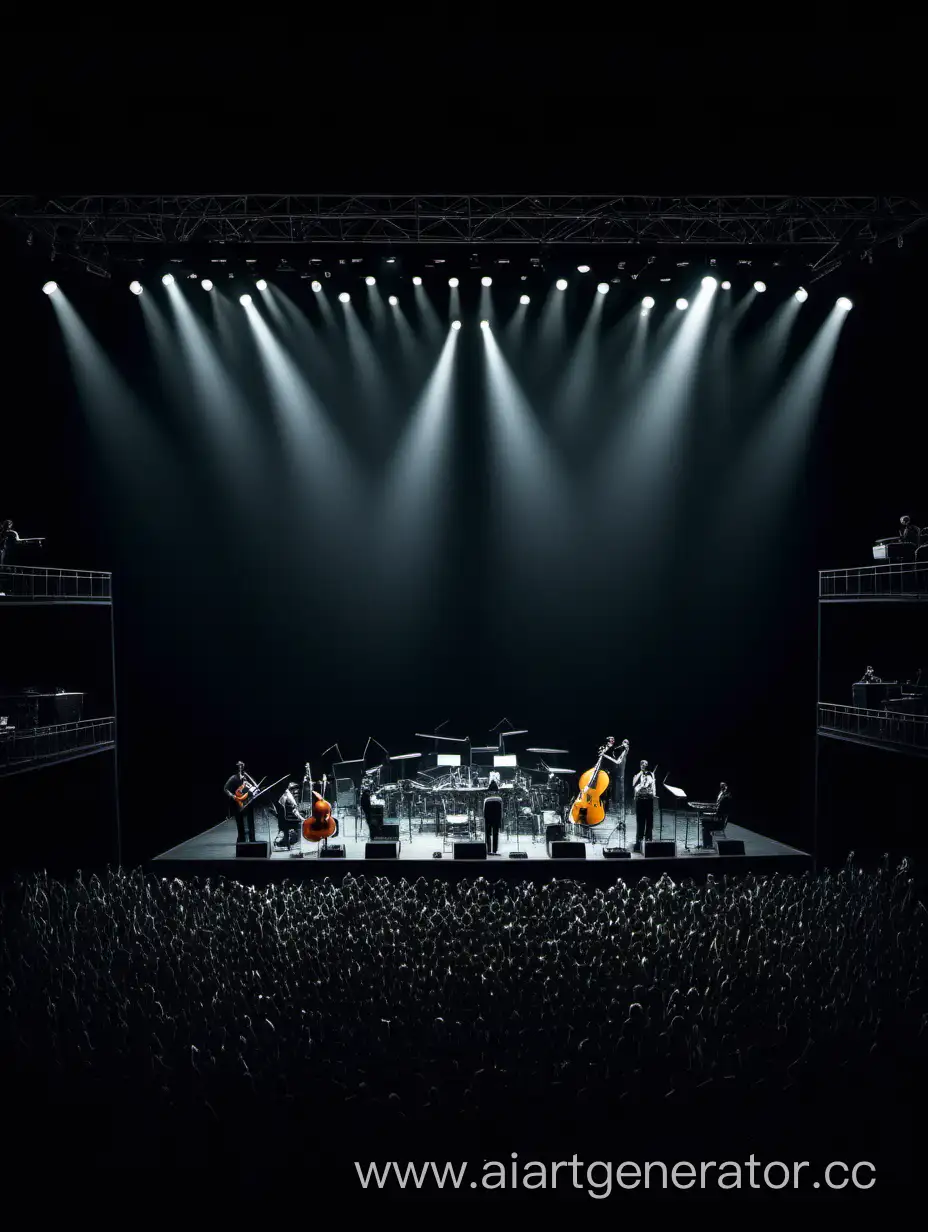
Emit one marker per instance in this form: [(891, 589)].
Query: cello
[(587, 809), (319, 824)]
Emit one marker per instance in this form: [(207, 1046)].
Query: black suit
[(244, 817), (492, 817)]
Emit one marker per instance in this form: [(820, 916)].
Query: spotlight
[(760, 286), (168, 279), (648, 302), (316, 285), (484, 324), (726, 285), (455, 324), (417, 281), (561, 284), (524, 299), (583, 269), (486, 281), (50, 288), (344, 298), (244, 299), (261, 284), (683, 304), (393, 301), (602, 287), (207, 284), (370, 280), (802, 295), (709, 283), (844, 303), (452, 282), (135, 287)]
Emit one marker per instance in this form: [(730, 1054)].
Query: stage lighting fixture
[(486, 281), (316, 285), (168, 279), (486, 324), (244, 299), (682, 303), (207, 284), (50, 288), (726, 285), (452, 282), (648, 301), (370, 280), (417, 281), (393, 301), (583, 269), (602, 287), (524, 299), (561, 284), (844, 303), (709, 283), (455, 324), (802, 295), (135, 287), (344, 297), (760, 286), (261, 284)]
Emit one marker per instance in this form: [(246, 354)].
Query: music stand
[(262, 799), (679, 801)]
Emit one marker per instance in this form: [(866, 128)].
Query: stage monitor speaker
[(518, 855), (662, 851), (253, 850), (334, 851), (376, 815), (470, 851), (381, 851), (730, 846), (389, 830), (568, 849), (616, 853)]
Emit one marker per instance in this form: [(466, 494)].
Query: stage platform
[(212, 853)]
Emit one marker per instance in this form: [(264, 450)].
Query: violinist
[(243, 812)]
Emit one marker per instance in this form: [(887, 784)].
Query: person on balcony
[(9, 536)]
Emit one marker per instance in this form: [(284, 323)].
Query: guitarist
[(243, 812), (644, 788)]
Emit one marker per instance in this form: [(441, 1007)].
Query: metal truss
[(835, 226)]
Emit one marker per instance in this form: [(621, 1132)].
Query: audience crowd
[(177, 1021)]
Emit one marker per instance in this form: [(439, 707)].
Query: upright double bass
[(319, 824), (587, 809)]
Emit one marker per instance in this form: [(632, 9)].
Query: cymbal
[(561, 770), (533, 750)]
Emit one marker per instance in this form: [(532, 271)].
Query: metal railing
[(26, 583), (904, 579), (20, 748), (891, 727)]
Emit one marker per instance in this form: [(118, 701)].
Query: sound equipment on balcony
[(869, 696), (568, 849), (470, 851), (665, 850)]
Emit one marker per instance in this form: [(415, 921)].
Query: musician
[(364, 800), (8, 536), (908, 531), (244, 815), (289, 818), (719, 819), (616, 787), (644, 787), (493, 816), (870, 677)]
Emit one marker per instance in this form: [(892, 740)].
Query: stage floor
[(218, 844)]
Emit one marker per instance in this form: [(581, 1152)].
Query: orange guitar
[(587, 809)]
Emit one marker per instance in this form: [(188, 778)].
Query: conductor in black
[(492, 816)]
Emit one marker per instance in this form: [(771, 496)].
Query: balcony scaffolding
[(21, 584), (905, 581), (27, 748), (884, 729)]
